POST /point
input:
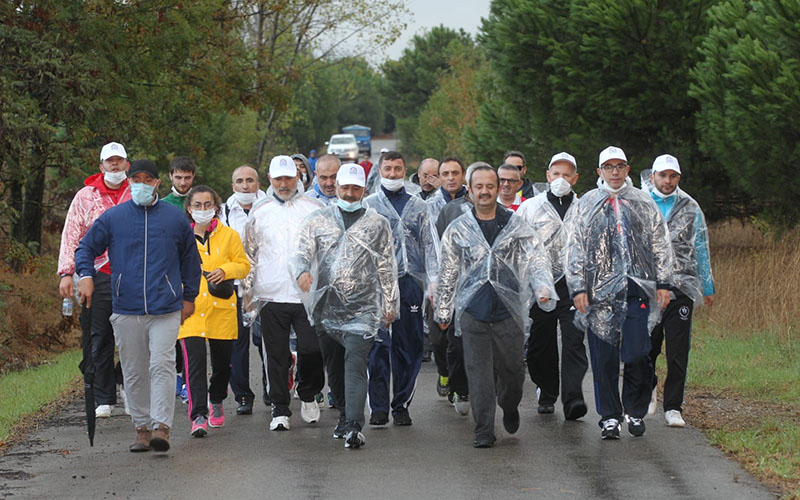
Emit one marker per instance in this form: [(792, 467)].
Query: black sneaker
[(511, 421), (244, 406), (402, 418), (483, 441), (575, 410), (635, 427), (610, 428), (341, 427), (379, 418), (442, 388), (545, 408), (354, 438)]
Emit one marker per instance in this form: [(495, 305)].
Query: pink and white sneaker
[(199, 427), (216, 415)]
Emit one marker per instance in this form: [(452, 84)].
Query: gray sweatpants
[(147, 354), (495, 366), (346, 357)]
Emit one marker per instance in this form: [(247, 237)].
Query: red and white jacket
[(89, 203)]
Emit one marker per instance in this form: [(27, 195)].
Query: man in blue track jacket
[(155, 277)]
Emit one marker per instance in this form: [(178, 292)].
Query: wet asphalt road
[(434, 458)]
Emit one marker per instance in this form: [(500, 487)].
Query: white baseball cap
[(563, 156), (612, 153), (351, 174), (282, 166), (113, 149), (384, 150), (666, 162)]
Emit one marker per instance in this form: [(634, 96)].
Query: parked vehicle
[(363, 136), (344, 146)]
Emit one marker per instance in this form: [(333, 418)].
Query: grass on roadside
[(26, 392)]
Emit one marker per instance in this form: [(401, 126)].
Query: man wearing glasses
[(516, 158), (510, 184), (618, 269)]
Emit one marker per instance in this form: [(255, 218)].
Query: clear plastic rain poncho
[(415, 240), (270, 236), (543, 217), (691, 257), (612, 239), (516, 265), (355, 271)]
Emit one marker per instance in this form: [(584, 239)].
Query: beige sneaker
[(142, 443), (160, 439)]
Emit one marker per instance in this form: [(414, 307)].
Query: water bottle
[(66, 307)]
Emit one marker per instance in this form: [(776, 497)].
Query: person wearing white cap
[(550, 213), (101, 191), (346, 268), (692, 283), (618, 266), (270, 292)]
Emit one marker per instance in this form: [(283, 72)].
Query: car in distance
[(343, 146)]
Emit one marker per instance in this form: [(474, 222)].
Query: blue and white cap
[(612, 153), (666, 162), (563, 156), (351, 174)]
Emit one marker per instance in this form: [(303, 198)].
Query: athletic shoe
[(451, 397), (309, 411), (574, 410), (330, 400), (320, 399), (354, 438), (442, 388), (651, 408), (462, 404), (379, 418), (674, 418), (160, 439), (216, 415), (184, 394), (402, 419), (483, 441), (124, 400), (199, 427), (103, 411), (611, 428), (142, 442), (244, 406), (635, 426), (511, 421), (546, 409), (341, 427), (178, 385), (279, 423)]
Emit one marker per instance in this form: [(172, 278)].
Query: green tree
[(748, 83)]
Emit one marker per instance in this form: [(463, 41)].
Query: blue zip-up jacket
[(155, 265)]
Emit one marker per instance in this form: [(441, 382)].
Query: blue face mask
[(142, 193), (347, 206)]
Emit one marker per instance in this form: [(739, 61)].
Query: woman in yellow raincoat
[(214, 319)]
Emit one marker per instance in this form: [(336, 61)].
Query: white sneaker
[(651, 408), (103, 411), (674, 418), (125, 401), (309, 411), (279, 424)]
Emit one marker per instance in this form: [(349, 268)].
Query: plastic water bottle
[(66, 307)]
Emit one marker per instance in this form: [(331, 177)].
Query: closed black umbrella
[(87, 366)]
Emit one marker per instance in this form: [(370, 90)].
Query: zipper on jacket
[(170, 286), (144, 277), (119, 280)]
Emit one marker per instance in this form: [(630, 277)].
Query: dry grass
[(758, 283)]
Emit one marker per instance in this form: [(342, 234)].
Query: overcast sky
[(429, 13)]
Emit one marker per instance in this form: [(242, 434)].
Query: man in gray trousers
[(492, 268), (155, 277)]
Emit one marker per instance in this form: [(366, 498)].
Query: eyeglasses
[(202, 206), (508, 181), (618, 166)]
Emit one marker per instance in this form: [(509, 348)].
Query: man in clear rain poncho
[(491, 270), (550, 214), (618, 268), (398, 352), (692, 281), (346, 267), (269, 291)]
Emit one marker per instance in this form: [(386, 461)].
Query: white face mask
[(304, 177), (245, 198), (115, 178), (560, 187), (392, 184), (203, 217)]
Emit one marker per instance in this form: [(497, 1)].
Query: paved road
[(434, 458)]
